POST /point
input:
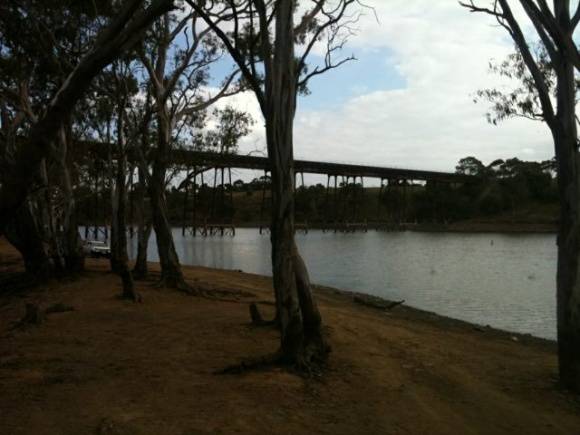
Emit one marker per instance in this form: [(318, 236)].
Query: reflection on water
[(506, 281)]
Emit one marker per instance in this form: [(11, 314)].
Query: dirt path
[(113, 367)]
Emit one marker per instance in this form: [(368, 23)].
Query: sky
[(408, 100)]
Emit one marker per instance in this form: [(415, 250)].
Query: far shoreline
[(457, 227)]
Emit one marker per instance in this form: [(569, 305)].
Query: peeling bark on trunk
[(302, 341), (171, 275)]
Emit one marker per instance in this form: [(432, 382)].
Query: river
[(505, 281)]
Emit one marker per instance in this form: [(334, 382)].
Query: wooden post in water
[(325, 225), (263, 203), (335, 207), (194, 211), (96, 214), (185, 197), (379, 200), (222, 202), (232, 210)]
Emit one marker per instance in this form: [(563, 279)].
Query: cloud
[(442, 51)]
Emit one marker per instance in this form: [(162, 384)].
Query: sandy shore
[(113, 367)]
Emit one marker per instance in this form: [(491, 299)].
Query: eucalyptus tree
[(139, 124), (176, 55), (36, 56), (553, 66), (106, 118), (224, 129), (98, 46), (272, 52), (231, 125)]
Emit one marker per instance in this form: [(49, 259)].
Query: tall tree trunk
[(302, 342), (119, 257), (144, 230), (22, 232), (565, 136), (171, 274), (115, 201), (46, 220), (120, 207), (74, 258)]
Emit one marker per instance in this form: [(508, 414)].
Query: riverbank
[(114, 367)]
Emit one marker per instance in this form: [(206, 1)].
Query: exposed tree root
[(178, 284), (34, 315), (304, 367), (59, 308), (131, 296), (375, 302), (257, 319), (311, 362), (252, 364), (139, 275)]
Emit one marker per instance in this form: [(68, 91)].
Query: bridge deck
[(191, 159)]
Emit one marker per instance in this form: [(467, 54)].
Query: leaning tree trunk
[(171, 274), (302, 342), (568, 279)]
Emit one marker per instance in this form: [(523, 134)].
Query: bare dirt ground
[(114, 367)]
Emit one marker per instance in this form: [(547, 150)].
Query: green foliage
[(523, 99), (470, 166), (231, 126)]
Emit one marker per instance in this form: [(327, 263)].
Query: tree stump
[(33, 315)]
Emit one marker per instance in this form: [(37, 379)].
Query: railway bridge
[(208, 191), (343, 194)]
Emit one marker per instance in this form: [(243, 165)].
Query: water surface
[(506, 281)]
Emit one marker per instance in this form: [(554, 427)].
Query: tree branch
[(123, 31), (234, 52)]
